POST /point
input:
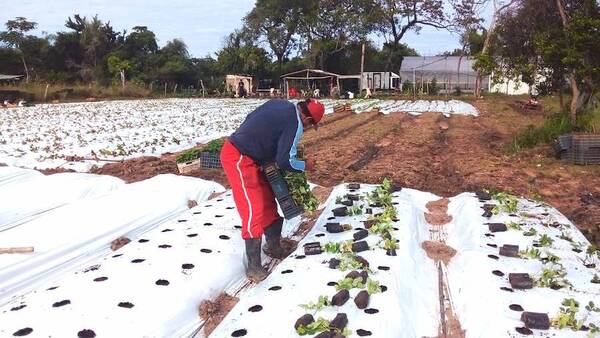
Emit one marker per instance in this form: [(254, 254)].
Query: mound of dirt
[(213, 312), (438, 251), (52, 171), (3, 165), (437, 214), (138, 169)]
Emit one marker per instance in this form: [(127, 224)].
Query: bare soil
[(52, 171), (438, 251), (213, 312), (119, 243), (138, 169), (437, 214)]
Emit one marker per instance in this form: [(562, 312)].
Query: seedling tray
[(282, 193)]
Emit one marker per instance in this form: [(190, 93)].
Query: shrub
[(187, 156), (214, 146)]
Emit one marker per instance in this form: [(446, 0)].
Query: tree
[(118, 66), (527, 46), (15, 38)]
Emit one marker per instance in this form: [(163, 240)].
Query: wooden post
[(16, 250), (175, 89), (165, 89), (414, 84), (46, 91), (202, 84), (362, 67)]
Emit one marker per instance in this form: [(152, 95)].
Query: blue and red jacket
[(271, 133)]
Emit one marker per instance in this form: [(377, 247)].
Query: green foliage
[(214, 146), (390, 244), (338, 247), (506, 203), (433, 87), (301, 192), (545, 240), (566, 316), (373, 286), (555, 124), (349, 283), (553, 277), (513, 226), (338, 200), (188, 155), (348, 262), (355, 210), (531, 253), (315, 327), (322, 302), (530, 232)]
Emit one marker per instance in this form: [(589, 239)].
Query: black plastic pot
[(353, 197), (313, 248), (334, 228), (353, 186), (347, 203), (360, 246), (520, 281), (334, 263), (340, 298), (509, 250), (362, 300), (534, 320), (339, 322), (340, 212), (497, 227), (304, 320), (360, 234), (483, 196), (362, 261)]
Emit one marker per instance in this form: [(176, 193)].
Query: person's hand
[(309, 164)]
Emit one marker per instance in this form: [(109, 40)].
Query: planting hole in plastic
[(286, 271), (207, 224), (524, 331), (143, 240), (383, 268), (117, 255), (504, 288), (300, 257), (138, 260), (162, 282), (255, 308), (192, 235), (493, 257), (516, 307), (100, 279), (61, 303), (23, 332), (17, 308), (182, 220), (126, 305), (239, 333), (164, 246), (371, 311), (363, 333), (167, 230), (52, 288), (86, 334), (383, 288), (187, 266), (206, 250), (224, 237), (498, 273), (275, 288)]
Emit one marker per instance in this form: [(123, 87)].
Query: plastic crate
[(210, 160), (578, 148), (282, 193), (586, 148)]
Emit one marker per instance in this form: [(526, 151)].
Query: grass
[(555, 124)]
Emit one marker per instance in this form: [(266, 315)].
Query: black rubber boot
[(255, 271), (273, 237)]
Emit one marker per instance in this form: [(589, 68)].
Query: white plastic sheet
[(33, 197), (83, 230)]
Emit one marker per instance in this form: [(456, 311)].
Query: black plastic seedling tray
[(509, 250), (538, 321), (282, 192)]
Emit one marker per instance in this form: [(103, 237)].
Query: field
[(429, 254)]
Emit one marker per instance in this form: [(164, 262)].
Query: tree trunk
[(26, 69), (575, 99)]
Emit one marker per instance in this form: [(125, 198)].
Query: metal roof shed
[(308, 75)]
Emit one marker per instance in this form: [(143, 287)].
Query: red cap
[(316, 110)]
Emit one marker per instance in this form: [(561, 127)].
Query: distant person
[(270, 133), (241, 89), (317, 93)]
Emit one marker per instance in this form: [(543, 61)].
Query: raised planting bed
[(340, 292), (145, 286)]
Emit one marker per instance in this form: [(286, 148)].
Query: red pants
[(251, 192)]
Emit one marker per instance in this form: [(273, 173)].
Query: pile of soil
[(438, 251), (52, 171), (437, 214), (448, 156), (213, 312), (138, 169)]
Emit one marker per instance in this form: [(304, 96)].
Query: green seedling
[(591, 307), (506, 203), (530, 232), (532, 253), (390, 244), (338, 200), (349, 284), (348, 262), (545, 240), (300, 191), (553, 278), (566, 316), (373, 286), (513, 226), (322, 302), (355, 210), (315, 327)]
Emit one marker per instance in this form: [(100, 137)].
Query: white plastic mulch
[(45, 136), (13, 175), (80, 231), (151, 287), (32, 197), (410, 306)]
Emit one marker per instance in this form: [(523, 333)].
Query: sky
[(201, 24)]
